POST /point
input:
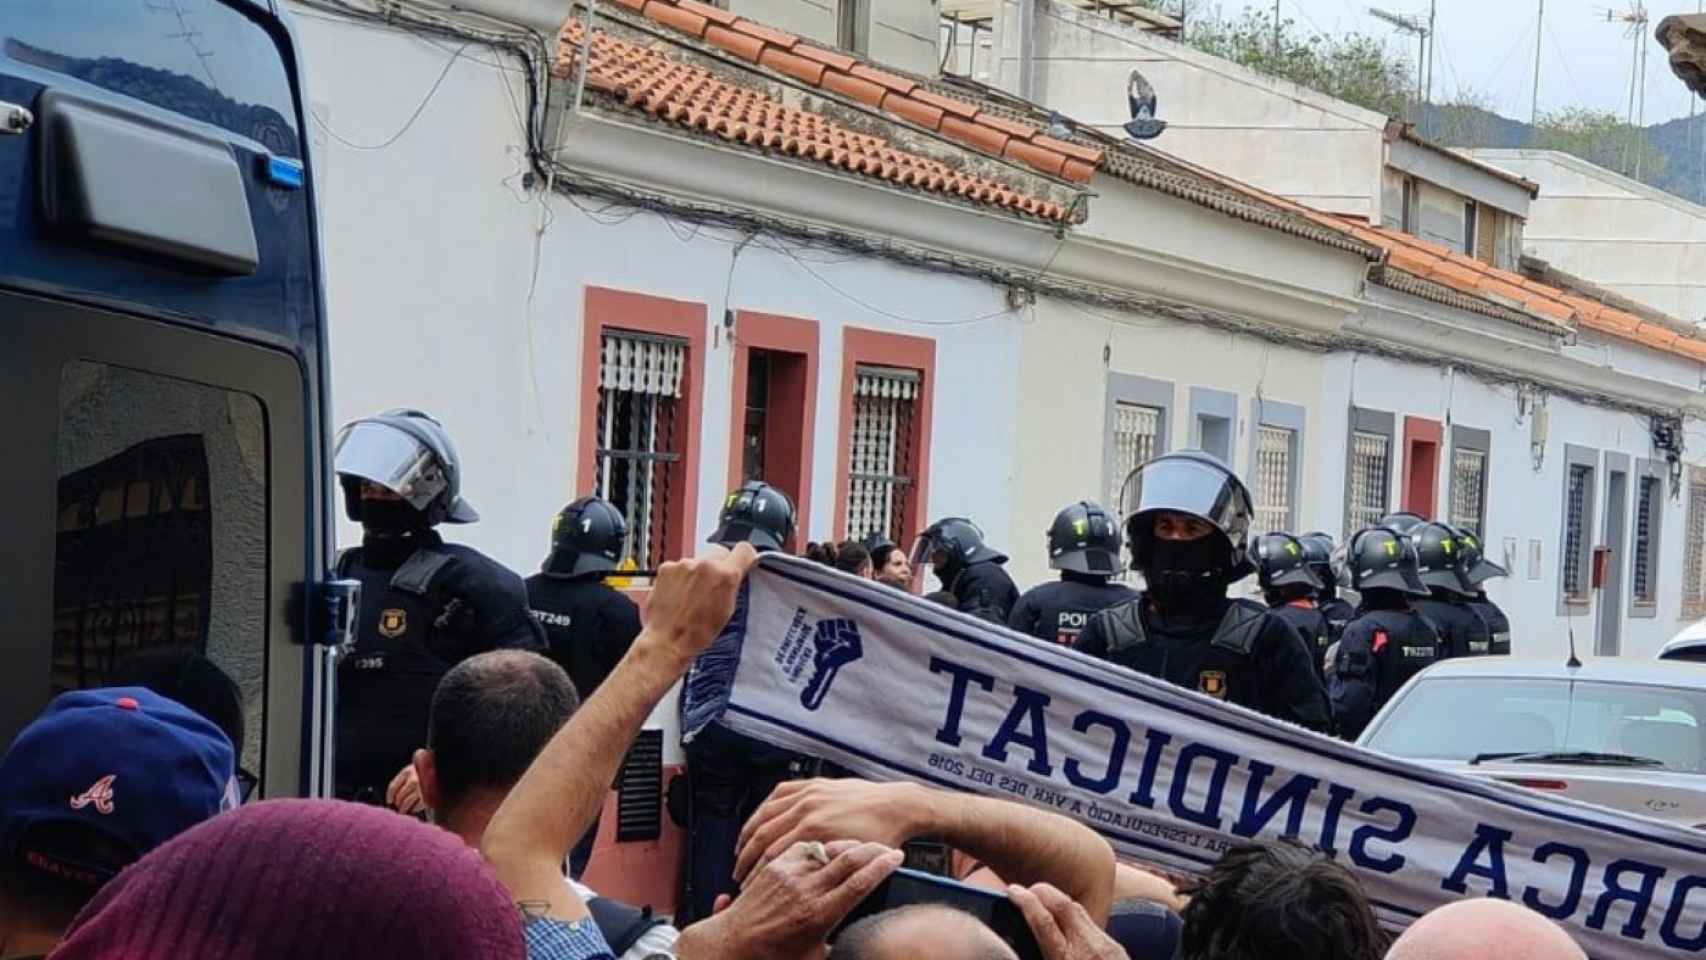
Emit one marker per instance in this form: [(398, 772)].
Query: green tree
[(1352, 66), (1600, 137)]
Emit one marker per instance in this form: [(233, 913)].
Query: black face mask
[(1183, 575), (391, 518)]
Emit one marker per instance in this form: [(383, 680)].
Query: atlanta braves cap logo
[(100, 794)]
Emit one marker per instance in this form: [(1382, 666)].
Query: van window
[(161, 532)]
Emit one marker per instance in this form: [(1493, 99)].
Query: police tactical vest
[(1222, 666), (1239, 630), (401, 652)]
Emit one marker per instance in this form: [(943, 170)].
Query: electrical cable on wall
[(571, 183)]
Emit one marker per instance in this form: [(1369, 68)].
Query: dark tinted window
[(161, 530), (198, 58)]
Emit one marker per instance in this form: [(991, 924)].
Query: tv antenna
[(1422, 29), (1634, 20)]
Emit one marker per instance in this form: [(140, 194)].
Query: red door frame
[(859, 345), (643, 313), (782, 334), (1421, 487)]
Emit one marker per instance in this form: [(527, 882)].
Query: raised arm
[(1022, 844), (561, 793)]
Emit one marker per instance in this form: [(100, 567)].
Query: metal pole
[(1539, 34), (1432, 10), (1276, 29)]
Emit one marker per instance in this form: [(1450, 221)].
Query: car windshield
[(1464, 718)]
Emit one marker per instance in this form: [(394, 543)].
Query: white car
[(1625, 734), (1688, 644)]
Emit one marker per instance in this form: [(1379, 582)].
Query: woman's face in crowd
[(896, 569)]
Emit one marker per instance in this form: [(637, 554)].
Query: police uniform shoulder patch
[(393, 622), (1212, 683)]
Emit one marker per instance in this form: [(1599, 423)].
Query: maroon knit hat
[(302, 878)]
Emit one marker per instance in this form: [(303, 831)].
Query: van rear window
[(198, 58)]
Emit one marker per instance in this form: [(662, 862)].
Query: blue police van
[(163, 373)]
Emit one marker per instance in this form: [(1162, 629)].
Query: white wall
[(1639, 242), (1523, 504), (430, 256), (1062, 420), (1218, 114), (902, 32)]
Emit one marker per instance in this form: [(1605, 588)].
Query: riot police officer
[(425, 604), (1388, 642), (729, 774), (1187, 525), (1477, 570), (1446, 607), (1318, 550), (1290, 585), (1084, 545), (888, 562), (589, 625), (968, 568)]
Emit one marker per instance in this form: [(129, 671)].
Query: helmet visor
[(390, 458), (935, 541), (1182, 485)]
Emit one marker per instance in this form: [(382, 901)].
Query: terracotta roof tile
[(916, 111), (780, 38), (1078, 171), (985, 138), (1045, 160), (884, 78), (735, 42), (892, 93), (1023, 131), (794, 66), (1690, 348), (1654, 335), (831, 58), (852, 87), (645, 79), (958, 108), (678, 17), (709, 12), (1075, 150)]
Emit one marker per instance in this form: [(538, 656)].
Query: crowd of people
[(484, 719)]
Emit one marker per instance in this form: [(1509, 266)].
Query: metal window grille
[(1137, 438), (884, 458), (639, 403), (1647, 508), (1694, 549), (1468, 489), (1274, 450), (133, 558), (1575, 579), (1370, 469)]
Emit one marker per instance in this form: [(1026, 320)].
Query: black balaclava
[(1384, 598), (1184, 576)]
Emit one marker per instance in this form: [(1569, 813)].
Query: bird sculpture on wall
[(1141, 96)]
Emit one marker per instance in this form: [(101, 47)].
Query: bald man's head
[(1463, 931), (923, 930)]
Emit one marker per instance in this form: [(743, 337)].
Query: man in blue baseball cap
[(99, 779)]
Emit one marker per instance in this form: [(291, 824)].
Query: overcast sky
[(1488, 46)]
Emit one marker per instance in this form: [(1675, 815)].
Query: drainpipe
[(1027, 48)]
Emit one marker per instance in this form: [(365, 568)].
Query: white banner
[(894, 687)]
